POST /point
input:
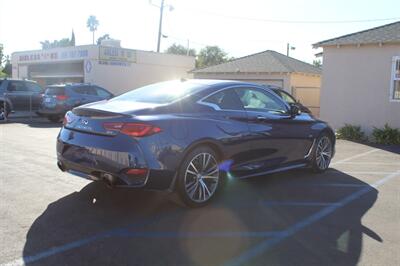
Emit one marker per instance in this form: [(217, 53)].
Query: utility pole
[(288, 48), (187, 48), (160, 26)]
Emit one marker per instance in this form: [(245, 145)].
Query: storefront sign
[(117, 54), (53, 55)]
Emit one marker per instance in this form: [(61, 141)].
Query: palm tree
[(92, 23)]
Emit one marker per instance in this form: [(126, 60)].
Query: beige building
[(112, 67), (300, 79), (361, 78)]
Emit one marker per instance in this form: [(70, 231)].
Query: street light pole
[(160, 26), (288, 48)]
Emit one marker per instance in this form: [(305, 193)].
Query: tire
[(322, 153), (194, 187), (4, 112), (54, 118)]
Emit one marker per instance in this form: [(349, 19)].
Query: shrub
[(386, 135), (350, 132)]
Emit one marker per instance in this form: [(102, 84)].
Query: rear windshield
[(161, 93), (54, 91)]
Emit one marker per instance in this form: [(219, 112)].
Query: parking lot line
[(354, 157), (276, 236), (369, 163), (269, 243)]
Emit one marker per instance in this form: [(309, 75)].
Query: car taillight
[(132, 129), (61, 97), (67, 119)]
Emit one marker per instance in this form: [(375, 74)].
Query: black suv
[(59, 99), (19, 95)]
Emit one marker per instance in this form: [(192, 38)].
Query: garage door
[(308, 96)]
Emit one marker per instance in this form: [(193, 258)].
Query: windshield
[(161, 93)]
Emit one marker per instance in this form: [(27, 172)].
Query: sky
[(239, 27)]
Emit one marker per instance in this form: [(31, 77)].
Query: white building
[(112, 67), (361, 78)]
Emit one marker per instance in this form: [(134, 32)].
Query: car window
[(86, 90), (225, 100), (91, 91), (260, 100), (33, 87), (286, 97), (16, 86), (161, 93), (55, 91), (102, 92)]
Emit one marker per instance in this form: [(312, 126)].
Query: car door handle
[(261, 118)]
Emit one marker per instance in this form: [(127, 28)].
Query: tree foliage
[(180, 50), (6, 62), (92, 23), (65, 42), (104, 37), (72, 42), (211, 55), (317, 63)]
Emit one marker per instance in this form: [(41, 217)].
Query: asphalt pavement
[(349, 215)]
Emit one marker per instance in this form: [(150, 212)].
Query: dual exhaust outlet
[(108, 178)]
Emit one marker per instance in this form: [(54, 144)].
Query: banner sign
[(44, 55), (117, 54)]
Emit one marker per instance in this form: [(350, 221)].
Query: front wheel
[(199, 177), (322, 153)]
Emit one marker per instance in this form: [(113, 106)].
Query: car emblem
[(85, 122)]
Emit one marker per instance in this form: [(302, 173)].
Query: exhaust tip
[(61, 166)]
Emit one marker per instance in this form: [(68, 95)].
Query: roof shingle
[(263, 62), (389, 33)]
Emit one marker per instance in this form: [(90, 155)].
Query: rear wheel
[(4, 111), (199, 177), (322, 153), (54, 118)]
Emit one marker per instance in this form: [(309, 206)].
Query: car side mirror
[(294, 110)]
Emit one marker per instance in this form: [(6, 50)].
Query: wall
[(149, 68), (356, 86), (306, 88)]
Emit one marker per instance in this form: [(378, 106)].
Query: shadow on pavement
[(101, 226), (35, 122)]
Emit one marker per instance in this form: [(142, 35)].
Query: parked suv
[(58, 99), (19, 95)]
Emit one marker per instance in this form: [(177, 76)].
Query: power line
[(298, 21)]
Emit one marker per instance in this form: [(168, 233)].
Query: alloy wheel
[(2, 113), (201, 177), (324, 153)]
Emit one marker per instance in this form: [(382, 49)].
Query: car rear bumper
[(52, 111), (98, 157)]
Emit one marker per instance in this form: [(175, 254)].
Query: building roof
[(389, 33), (263, 62)]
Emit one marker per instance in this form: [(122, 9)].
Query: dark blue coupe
[(187, 135)]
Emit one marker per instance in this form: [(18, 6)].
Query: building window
[(395, 81)]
